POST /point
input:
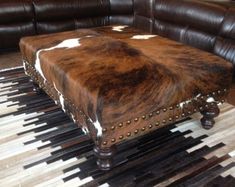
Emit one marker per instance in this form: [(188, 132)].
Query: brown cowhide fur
[(126, 84)]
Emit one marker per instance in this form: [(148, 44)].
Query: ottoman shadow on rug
[(41, 146)]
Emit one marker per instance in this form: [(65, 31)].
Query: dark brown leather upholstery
[(16, 20), (29, 17), (121, 12), (203, 25), (61, 15), (199, 26), (143, 15), (225, 44)]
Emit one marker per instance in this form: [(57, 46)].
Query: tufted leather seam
[(34, 17)]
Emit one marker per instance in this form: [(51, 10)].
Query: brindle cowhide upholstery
[(118, 82)]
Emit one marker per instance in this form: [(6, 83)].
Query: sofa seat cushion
[(118, 76)]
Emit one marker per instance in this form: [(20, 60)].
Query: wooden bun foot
[(104, 157), (209, 114)]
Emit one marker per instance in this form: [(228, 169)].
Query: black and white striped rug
[(40, 146)]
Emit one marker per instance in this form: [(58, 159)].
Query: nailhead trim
[(34, 75), (121, 137), (128, 122), (144, 117), (120, 125)]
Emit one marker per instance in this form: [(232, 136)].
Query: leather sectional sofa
[(203, 25), (30, 17)]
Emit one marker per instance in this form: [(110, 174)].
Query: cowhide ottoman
[(118, 83)]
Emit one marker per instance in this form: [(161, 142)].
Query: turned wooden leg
[(36, 88), (104, 157), (209, 114)]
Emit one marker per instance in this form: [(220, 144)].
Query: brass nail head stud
[(129, 122), (120, 124), (104, 130)]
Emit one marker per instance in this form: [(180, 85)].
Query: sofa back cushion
[(225, 42), (191, 22), (143, 15), (121, 12), (16, 20), (61, 15), (197, 23), (202, 25)]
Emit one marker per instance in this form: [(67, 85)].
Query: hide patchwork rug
[(41, 146)]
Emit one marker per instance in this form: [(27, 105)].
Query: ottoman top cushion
[(114, 74)]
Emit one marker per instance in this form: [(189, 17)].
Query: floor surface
[(41, 146)]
